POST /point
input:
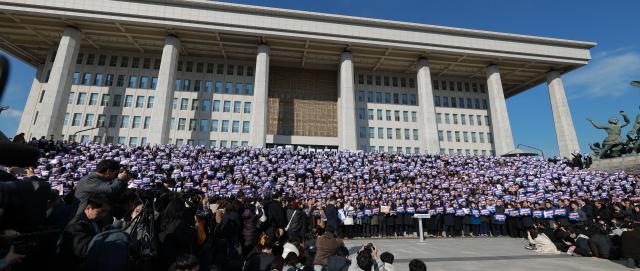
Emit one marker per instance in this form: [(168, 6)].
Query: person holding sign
[(499, 219)]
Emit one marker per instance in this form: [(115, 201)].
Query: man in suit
[(74, 242), (331, 212)]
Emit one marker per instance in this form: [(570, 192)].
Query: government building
[(225, 75)]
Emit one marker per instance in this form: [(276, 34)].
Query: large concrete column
[(26, 121), (565, 133), (260, 98), (428, 127), (161, 118), (347, 104), (500, 126), (54, 103)]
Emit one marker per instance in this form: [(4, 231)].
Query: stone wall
[(629, 164)]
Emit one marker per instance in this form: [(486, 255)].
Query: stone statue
[(633, 137), (612, 146)]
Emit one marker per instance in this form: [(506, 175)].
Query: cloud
[(12, 114), (608, 75)]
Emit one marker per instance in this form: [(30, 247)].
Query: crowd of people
[(287, 209)]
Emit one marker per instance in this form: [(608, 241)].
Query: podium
[(419, 217)]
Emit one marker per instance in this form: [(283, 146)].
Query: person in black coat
[(600, 243), (630, 246), (581, 243), (276, 216), (73, 246), (176, 233), (331, 212)]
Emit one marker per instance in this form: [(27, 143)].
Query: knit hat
[(289, 247)]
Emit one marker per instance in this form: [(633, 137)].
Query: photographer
[(366, 259), (73, 246), (102, 181)]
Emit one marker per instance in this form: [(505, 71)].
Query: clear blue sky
[(598, 90)]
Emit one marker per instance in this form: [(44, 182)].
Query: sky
[(599, 90)]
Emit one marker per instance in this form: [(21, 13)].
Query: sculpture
[(614, 145), (633, 137)]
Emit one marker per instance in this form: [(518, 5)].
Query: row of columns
[(51, 110)]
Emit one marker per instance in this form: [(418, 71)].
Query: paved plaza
[(480, 254)]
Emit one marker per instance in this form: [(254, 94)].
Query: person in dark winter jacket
[(295, 221), (580, 244), (630, 245), (249, 228), (600, 243), (73, 246), (340, 261)]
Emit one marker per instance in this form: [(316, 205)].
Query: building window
[(181, 124), (147, 122), (236, 106), (192, 124), (86, 79), (214, 125), (449, 137), (415, 134), (362, 132), (90, 59), (194, 104), (150, 101), (380, 133), (440, 136), (81, 98), (184, 104), (227, 106), (389, 133), (229, 69), (98, 80), (225, 126), (113, 61), (113, 121), (228, 88), (117, 99), (396, 114), (124, 62), (135, 63), (245, 127), (146, 63), (186, 86), (93, 99), (204, 125), (407, 136), (140, 102), (247, 107), (128, 100), (438, 118), (196, 86), (66, 119), (144, 82), (125, 122), (76, 119), (447, 120), (216, 105), (405, 116), (445, 101), (220, 69), (136, 121), (235, 126), (133, 79)]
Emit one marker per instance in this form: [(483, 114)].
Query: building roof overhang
[(29, 30)]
